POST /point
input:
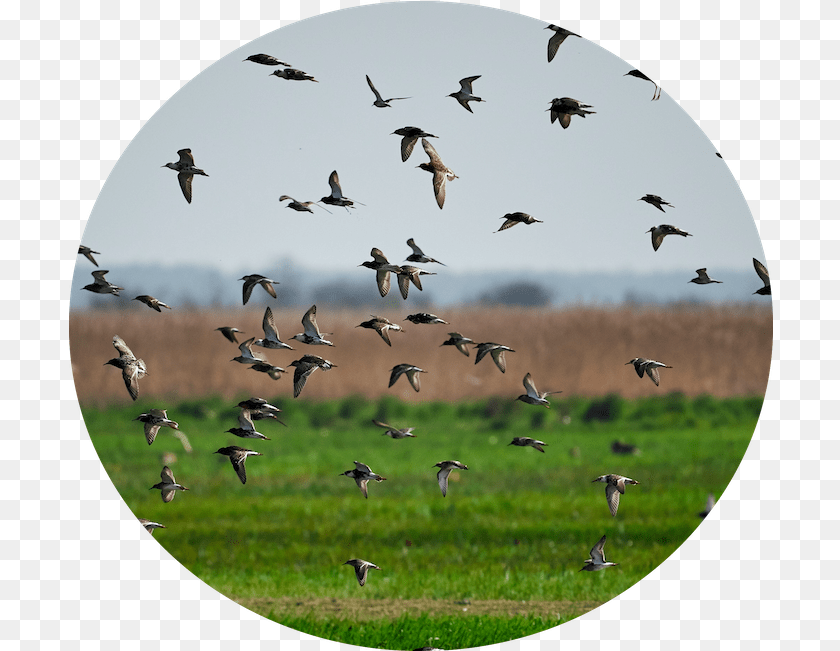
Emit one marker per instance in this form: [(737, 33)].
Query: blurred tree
[(526, 294)]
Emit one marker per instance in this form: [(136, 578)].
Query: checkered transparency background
[(78, 80)]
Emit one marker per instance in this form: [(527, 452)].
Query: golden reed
[(721, 350)]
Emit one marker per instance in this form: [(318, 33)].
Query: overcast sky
[(259, 137)]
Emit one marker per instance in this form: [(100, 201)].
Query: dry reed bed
[(721, 351)]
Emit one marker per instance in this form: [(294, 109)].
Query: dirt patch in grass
[(370, 609)]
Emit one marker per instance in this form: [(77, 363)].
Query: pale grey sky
[(259, 137)]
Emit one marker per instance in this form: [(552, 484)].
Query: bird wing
[(383, 282), (151, 431), (362, 569), (613, 496), (415, 249), (565, 120), (301, 373), (398, 370), (761, 270), (238, 463), (467, 82), (499, 357), (407, 146), (656, 239), (653, 373), (413, 376), (119, 344), (415, 278), (530, 387), (267, 286), (375, 92), (268, 326), (597, 552), (463, 102), (554, 43), (245, 420), (379, 423), (130, 376), (167, 496), (247, 288), (363, 467), (334, 185), (309, 326), (439, 185), (509, 223), (378, 256), (167, 476), (431, 152), (481, 352), (710, 502), (443, 479), (403, 281), (639, 366), (382, 329), (185, 180), (245, 350), (185, 157), (702, 274), (87, 253)]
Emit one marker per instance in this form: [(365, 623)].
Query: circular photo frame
[(446, 375)]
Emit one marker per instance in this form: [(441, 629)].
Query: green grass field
[(514, 528)]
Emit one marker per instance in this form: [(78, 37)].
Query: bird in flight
[(596, 560), (441, 173), (381, 103), (133, 369), (761, 270), (658, 233), (638, 74), (410, 137), (615, 489), (556, 40), (649, 366), (266, 60), (464, 94), (186, 170)]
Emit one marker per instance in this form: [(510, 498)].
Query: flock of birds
[(256, 409)]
